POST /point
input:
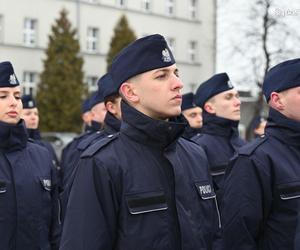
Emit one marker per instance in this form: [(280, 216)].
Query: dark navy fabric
[(144, 188), (106, 86), (144, 54), (216, 84), (187, 101), (112, 126), (261, 202), (7, 75), (29, 217), (283, 76), (220, 140), (28, 102), (35, 135), (190, 132)]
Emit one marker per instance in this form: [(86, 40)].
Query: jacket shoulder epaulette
[(249, 148), (85, 143), (90, 151)]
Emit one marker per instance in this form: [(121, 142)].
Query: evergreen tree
[(123, 35), (61, 87)]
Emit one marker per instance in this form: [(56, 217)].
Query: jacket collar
[(111, 123), (216, 125), (146, 130), (34, 134), (12, 136), (283, 128)]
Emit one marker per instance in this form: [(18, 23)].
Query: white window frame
[(92, 39), (170, 7), (172, 43), (92, 83), (30, 32), (192, 51), (30, 79), (121, 3), (193, 9), (146, 5)]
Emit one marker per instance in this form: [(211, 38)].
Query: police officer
[(221, 114), (145, 187), (112, 123), (262, 187), (30, 115), (193, 114), (28, 192), (70, 153)]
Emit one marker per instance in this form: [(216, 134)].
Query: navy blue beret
[(7, 75), (97, 97), (283, 76), (145, 54), (85, 106), (106, 86), (187, 101), (28, 102), (211, 87)]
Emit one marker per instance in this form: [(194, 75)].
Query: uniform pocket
[(146, 202), (219, 169), (2, 187), (289, 191)]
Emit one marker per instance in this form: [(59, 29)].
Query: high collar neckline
[(216, 125), (111, 123), (34, 133), (12, 136), (283, 128), (149, 131)]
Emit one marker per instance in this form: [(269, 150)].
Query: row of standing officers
[(148, 180)]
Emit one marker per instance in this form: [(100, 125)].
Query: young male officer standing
[(145, 187), (221, 115), (262, 187), (193, 114)]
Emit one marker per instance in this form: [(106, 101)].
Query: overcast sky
[(235, 18)]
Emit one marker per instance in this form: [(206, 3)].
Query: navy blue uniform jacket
[(220, 140), (144, 188), (28, 193), (262, 190)]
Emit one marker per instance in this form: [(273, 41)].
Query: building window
[(91, 1), (30, 32), (170, 6), (146, 5), (29, 83), (171, 43), (92, 39), (92, 83), (192, 51), (193, 6), (1, 29), (121, 3)]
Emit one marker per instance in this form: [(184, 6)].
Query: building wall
[(104, 14)]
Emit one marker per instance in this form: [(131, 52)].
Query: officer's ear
[(277, 101), (128, 92), (209, 107)]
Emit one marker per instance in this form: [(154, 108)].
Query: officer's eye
[(161, 76), (2, 96)]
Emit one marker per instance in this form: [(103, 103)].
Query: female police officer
[(28, 195)]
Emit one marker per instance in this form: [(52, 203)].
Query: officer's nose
[(13, 101), (176, 83)]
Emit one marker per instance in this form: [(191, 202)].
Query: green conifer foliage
[(61, 87), (123, 35)]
